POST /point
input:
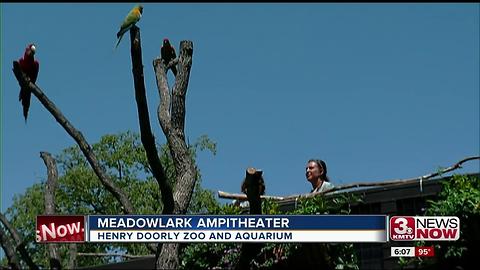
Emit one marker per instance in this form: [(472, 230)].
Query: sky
[(378, 91)]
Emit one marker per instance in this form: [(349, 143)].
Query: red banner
[(60, 229)]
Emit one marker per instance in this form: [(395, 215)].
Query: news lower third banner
[(237, 228), (209, 228)]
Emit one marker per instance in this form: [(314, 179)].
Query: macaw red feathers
[(30, 67), (167, 53)]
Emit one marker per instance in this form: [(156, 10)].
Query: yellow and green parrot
[(132, 18)]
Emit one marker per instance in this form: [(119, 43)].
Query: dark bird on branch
[(167, 52), (30, 67)]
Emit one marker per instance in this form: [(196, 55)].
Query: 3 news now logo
[(409, 228), (60, 229)]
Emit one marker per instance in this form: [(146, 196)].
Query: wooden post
[(253, 186)]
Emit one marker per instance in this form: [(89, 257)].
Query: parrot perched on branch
[(30, 67), (132, 18), (167, 53)]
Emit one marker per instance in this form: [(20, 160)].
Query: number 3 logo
[(402, 226)]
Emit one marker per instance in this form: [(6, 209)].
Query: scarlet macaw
[(132, 18), (167, 53), (30, 67)]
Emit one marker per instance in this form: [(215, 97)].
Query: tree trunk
[(50, 204), (19, 243), (173, 128), (72, 256), (146, 134), (171, 113), (9, 250), (169, 256)]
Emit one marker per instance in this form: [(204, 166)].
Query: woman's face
[(313, 171)]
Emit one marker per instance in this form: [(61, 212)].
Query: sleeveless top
[(323, 187)]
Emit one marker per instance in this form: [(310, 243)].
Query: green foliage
[(276, 255), (211, 255), (270, 207), (336, 204), (460, 196), (342, 255), (80, 192)]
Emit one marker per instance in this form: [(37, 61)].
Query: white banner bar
[(277, 236), (402, 251)]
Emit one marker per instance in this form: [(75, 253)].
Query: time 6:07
[(402, 251)]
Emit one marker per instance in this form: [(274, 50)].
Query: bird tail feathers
[(118, 42), (120, 34)]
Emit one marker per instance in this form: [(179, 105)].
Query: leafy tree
[(278, 255), (460, 196), (79, 192)]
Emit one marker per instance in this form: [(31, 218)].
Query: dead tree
[(9, 250), (146, 135), (171, 115), (86, 149), (119, 194), (172, 123), (50, 187), (19, 243), (15, 236), (54, 255)]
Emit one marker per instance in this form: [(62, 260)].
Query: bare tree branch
[(9, 250), (184, 165), (163, 110), (173, 127), (119, 164), (181, 85), (146, 134), (24, 81), (19, 243), (243, 197), (50, 187), (51, 182), (171, 115)]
